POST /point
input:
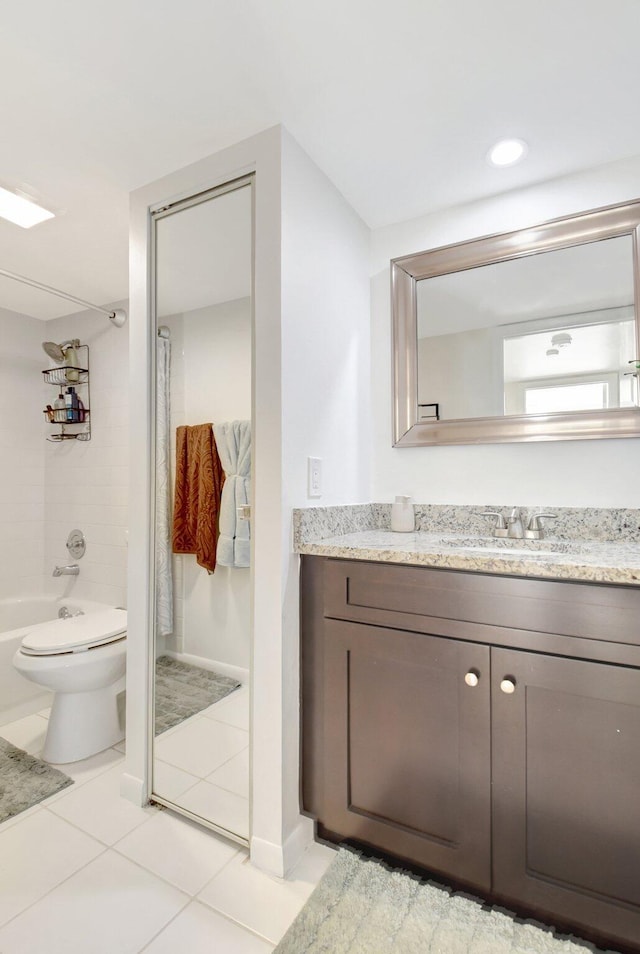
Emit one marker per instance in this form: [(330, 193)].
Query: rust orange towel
[(199, 480)]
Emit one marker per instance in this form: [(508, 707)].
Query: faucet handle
[(500, 528), (534, 527)]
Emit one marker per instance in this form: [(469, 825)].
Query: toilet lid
[(76, 633)]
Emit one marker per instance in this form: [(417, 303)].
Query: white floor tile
[(264, 904), (169, 781), (201, 746), (199, 930), (97, 808), (313, 864), (8, 822), (37, 854), (233, 709), (223, 808), (233, 775), (177, 850), (110, 906), (86, 769), (28, 734)]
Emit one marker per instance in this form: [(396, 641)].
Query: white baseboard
[(133, 789), (279, 860), (224, 669)]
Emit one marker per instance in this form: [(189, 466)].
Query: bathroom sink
[(506, 545)]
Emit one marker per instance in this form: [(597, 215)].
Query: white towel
[(233, 441)]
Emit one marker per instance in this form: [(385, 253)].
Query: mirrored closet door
[(203, 338)]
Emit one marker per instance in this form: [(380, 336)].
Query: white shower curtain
[(233, 441), (164, 577)]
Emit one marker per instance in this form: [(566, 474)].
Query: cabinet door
[(407, 747), (566, 792)]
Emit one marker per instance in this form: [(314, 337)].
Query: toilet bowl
[(82, 659)]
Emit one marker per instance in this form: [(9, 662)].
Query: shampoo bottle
[(403, 519), (59, 409), (71, 401)]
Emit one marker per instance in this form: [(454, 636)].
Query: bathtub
[(18, 616)]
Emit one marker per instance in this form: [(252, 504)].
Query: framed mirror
[(524, 336), (203, 331)]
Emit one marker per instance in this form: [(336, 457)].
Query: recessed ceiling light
[(21, 211), (507, 152)]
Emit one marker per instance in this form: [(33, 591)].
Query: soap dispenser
[(403, 518)]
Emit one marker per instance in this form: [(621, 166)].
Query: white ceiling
[(398, 104)]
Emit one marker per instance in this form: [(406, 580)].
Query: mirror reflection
[(549, 332), (203, 517)]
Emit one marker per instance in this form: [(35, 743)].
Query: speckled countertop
[(582, 557)]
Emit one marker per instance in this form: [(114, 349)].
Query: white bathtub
[(18, 616)]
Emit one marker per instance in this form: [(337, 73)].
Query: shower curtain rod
[(118, 316)]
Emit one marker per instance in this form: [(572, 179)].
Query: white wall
[(211, 381), (48, 489), (325, 382), (87, 482), (561, 473), (471, 388), (22, 434)]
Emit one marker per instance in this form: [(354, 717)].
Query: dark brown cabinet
[(408, 743), (484, 751)]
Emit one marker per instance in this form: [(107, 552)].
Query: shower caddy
[(78, 428)]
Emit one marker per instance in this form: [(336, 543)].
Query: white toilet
[(82, 659)]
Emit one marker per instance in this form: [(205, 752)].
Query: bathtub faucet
[(71, 570)]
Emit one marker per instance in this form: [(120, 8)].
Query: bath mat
[(363, 907), (182, 690), (25, 780)]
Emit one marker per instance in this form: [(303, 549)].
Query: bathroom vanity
[(484, 726)]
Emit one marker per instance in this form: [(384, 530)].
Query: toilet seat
[(75, 634)]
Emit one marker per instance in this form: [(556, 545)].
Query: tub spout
[(71, 570)]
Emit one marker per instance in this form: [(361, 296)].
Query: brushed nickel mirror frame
[(407, 271)]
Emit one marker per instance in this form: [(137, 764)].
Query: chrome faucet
[(534, 529), (515, 530), (65, 613), (500, 526), (72, 569)]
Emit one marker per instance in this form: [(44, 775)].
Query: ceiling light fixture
[(559, 341), (21, 211), (507, 152)]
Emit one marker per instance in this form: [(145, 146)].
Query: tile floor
[(86, 870), (203, 763)]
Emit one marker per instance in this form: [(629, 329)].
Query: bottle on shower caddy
[(71, 405), (71, 361), (59, 409)]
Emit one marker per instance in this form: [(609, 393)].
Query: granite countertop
[(600, 561)]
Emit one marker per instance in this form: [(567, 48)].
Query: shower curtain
[(164, 576)]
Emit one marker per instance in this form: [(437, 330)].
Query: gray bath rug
[(362, 907), (182, 690), (25, 780)]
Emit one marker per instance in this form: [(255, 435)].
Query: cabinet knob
[(508, 685), (472, 678)]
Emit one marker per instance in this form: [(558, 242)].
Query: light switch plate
[(314, 477)]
